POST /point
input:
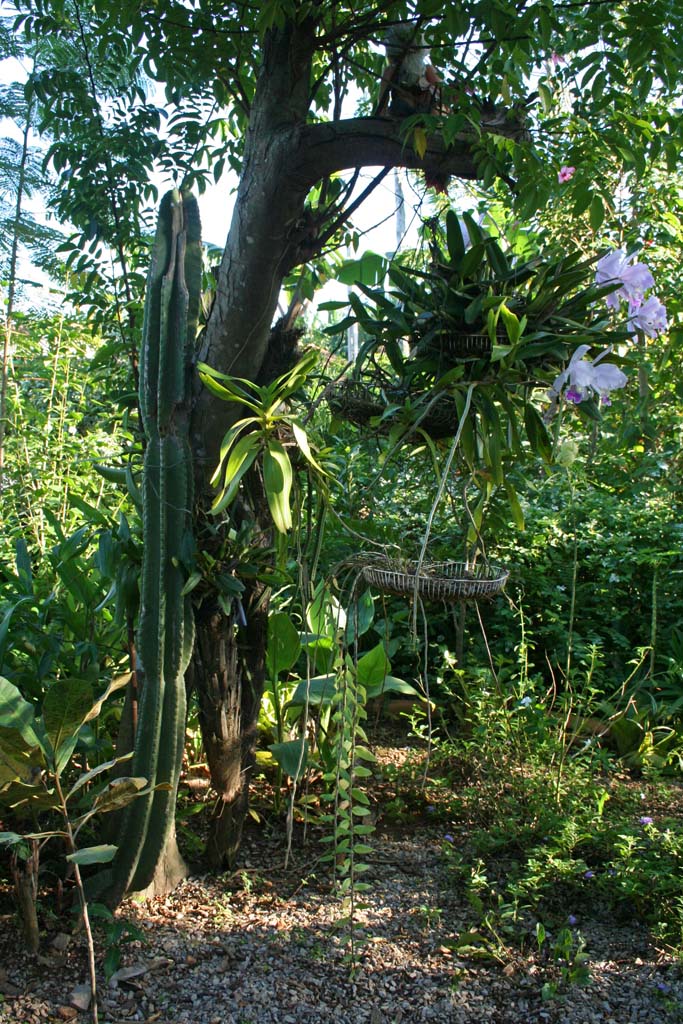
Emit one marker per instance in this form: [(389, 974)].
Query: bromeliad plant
[(259, 435)]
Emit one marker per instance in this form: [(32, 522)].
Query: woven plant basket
[(457, 342), (359, 403), (355, 402), (462, 346), (437, 581)]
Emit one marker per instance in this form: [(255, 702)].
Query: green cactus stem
[(165, 631)]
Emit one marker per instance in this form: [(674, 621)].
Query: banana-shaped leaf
[(301, 438), (285, 386), (277, 478), (230, 391), (241, 459), (227, 443)]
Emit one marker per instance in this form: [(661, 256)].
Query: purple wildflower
[(646, 820)]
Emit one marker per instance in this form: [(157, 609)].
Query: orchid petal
[(608, 377)]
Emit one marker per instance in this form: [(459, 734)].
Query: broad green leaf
[(324, 615), (241, 459), (537, 433), (87, 777), (10, 839), (228, 442), (17, 714), (369, 270), (4, 629), (515, 507), (512, 324), (626, 733), (118, 793), (19, 759), (583, 199), (597, 212), (23, 564), (454, 237), (373, 667), (65, 708), (277, 479), (391, 684), (93, 855), (229, 390), (284, 645), (286, 385), (192, 581), (292, 756), (20, 794), (301, 438), (319, 689), (360, 616)]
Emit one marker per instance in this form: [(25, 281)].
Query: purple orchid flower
[(649, 317), (586, 377), (633, 279)]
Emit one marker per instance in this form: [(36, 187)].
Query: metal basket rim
[(443, 581)]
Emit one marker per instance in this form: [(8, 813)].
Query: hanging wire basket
[(436, 581), (459, 345), (456, 342), (360, 403)]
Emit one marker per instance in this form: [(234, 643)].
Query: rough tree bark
[(230, 660), (269, 235)]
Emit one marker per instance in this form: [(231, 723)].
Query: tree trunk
[(270, 234), (229, 673)]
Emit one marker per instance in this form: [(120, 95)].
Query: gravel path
[(265, 947)]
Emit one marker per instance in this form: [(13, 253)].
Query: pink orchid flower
[(565, 174)]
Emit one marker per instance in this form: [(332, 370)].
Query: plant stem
[(653, 621), (82, 899), (575, 570), (12, 278), (437, 499)]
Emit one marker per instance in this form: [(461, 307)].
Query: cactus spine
[(165, 631)]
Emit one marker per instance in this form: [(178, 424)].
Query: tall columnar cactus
[(166, 630)]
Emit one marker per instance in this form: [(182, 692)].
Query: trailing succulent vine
[(166, 625)]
